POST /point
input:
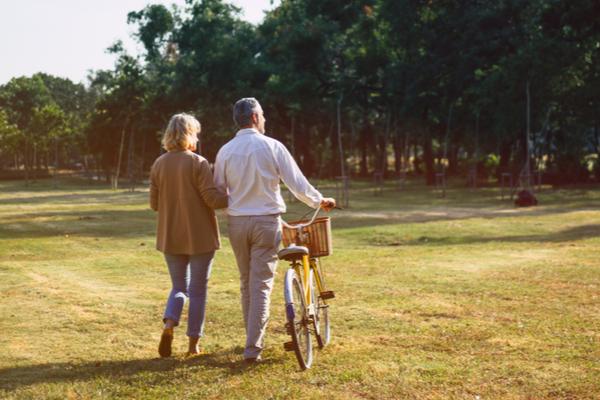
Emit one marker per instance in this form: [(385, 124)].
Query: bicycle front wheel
[(297, 317), (321, 321)]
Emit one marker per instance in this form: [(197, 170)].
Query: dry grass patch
[(463, 297)]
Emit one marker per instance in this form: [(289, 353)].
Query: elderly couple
[(246, 179)]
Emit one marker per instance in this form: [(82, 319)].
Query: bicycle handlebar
[(300, 226), (304, 225)]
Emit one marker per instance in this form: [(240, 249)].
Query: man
[(250, 167)]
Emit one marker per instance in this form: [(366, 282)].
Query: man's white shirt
[(250, 166)]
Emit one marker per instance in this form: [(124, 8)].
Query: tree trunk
[(596, 144), (299, 144), (339, 137), (398, 147), (26, 162), (447, 138), (597, 140), (428, 159), (363, 151), (34, 165), (309, 160), (416, 160), (453, 159), (382, 155), (120, 157), (293, 134), (505, 155), (527, 136), (383, 142), (106, 167), (373, 150), (406, 152), (333, 163), (143, 159), (130, 160)]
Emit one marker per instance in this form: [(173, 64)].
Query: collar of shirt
[(246, 131)]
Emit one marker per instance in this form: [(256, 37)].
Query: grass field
[(464, 297)]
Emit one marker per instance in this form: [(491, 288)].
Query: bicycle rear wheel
[(297, 317)]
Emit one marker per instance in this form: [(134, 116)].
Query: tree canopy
[(419, 87)]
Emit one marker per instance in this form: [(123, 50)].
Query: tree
[(117, 112), (10, 139)]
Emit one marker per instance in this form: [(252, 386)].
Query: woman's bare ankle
[(169, 324), (193, 347)]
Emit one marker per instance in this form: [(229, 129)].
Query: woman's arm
[(153, 189), (206, 186)]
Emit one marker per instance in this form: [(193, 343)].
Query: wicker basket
[(317, 236)]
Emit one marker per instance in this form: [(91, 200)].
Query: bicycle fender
[(287, 294)]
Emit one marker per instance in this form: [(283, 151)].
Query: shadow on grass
[(95, 223), (83, 197), (17, 377), (567, 235), (411, 215), (414, 205), (132, 223)]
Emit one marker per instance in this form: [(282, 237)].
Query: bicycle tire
[(297, 317), (322, 325)]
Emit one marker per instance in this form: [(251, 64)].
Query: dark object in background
[(525, 198)]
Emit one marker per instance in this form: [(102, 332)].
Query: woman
[(183, 192)]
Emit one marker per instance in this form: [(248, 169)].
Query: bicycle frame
[(303, 270), (305, 295), (308, 263)]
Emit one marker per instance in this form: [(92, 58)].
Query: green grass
[(464, 297)]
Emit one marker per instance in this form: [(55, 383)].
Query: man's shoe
[(166, 339)]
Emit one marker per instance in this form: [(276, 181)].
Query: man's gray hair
[(243, 110)]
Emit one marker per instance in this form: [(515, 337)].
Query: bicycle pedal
[(289, 328), (327, 295), (289, 346)]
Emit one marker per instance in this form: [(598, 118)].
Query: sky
[(67, 38)]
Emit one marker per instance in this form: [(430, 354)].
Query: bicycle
[(304, 291)]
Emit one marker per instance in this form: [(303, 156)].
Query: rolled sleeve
[(294, 179)]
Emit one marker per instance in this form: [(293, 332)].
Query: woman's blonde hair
[(181, 133)]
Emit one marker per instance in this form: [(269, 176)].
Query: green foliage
[(48, 112), (427, 80), (49, 123), (10, 136), (155, 23), (404, 73), (20, 96)]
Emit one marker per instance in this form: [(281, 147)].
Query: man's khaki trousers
[(255, 241)]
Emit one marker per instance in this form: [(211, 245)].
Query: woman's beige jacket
[(184, 194)]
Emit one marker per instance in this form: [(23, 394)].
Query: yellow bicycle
[(306, 307)]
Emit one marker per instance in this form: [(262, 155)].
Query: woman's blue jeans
[(189, 275)]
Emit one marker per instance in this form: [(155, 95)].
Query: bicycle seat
[(292, 252)]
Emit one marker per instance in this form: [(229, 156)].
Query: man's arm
[(294, 178), (219, 173)]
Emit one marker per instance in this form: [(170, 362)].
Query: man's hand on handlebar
[(328, 203)]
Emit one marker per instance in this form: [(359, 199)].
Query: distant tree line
[(42, 122), (351, 87)]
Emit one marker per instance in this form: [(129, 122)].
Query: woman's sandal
[(166, 339)]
